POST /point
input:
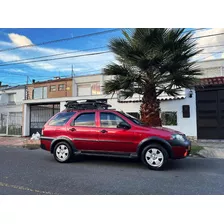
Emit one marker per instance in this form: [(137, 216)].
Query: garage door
[(210, 114), (40, 114)]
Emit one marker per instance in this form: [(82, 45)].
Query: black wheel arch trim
[(46, 138), (155, 139), (69, 141)]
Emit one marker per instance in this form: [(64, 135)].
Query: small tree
[(150, 62)]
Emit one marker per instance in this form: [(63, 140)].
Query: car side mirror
[(123, 125)]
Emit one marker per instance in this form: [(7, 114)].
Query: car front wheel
[(154, 156), (62, 152)]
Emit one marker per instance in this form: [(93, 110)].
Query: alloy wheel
[(154, 157), (62, 153)]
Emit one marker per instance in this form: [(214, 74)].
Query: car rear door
[(113, 139), (83, 131)]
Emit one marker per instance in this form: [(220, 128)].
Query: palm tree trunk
[(150, 108)]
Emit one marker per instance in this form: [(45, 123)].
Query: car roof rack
[(87, 105)]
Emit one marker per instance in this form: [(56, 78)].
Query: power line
[(53, 55), (208, 46), (76, 37), (26, 62), (15, 83), (13, 74), (49, 77), (59, 40), (71, 52), (215, 52), (194, 30), (210, 35), (71, 38), (52, 59), (202, 59), (88, 35)]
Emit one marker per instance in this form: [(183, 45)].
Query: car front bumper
[(180, 149)]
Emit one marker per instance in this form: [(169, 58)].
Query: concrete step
[(212, 153), (212, 146), (210, 141)]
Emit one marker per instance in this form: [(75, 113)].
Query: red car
[(90, 128)]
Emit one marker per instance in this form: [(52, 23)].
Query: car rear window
[(61, 119)]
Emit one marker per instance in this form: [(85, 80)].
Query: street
[(25, 171)]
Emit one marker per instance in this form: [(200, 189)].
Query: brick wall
[(67, 92)]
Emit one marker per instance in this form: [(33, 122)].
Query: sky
[(17, 74)]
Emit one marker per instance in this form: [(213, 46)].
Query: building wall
[(18, 97), (6, 106), (186, 125), (11, 108), (212, 68), (68, 92), (26, 120), (7, 109)]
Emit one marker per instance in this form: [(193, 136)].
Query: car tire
[(63, 152), (155, 157)]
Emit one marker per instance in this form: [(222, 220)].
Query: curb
[(199, 155), (20, 146), (34, 147)]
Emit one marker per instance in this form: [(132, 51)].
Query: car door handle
[(72, 129), (103, 131)]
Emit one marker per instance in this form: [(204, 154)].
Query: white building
[(182, 113), (89, 87), (11, 106)]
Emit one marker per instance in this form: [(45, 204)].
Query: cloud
[(16, 70), (19, 40), (80, 64), (6, 44), (9, 57), (86, 64)]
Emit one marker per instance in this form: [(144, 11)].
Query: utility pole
[(72, 73), (26, 88)]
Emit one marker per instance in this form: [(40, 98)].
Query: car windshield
[(133, 119)]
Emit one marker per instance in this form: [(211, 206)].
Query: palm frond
[(152, 57)]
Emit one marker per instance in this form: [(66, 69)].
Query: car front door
[(84, 132), (112, 138)]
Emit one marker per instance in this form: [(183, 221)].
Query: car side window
[(110, 120), (61, 119), (85, 119)]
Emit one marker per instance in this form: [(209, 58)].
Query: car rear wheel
[(154, 156), (62, 152)]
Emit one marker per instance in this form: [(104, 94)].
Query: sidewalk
[(212, 148), (24, 142)]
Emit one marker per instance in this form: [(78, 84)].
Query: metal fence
[(3, 123), (40, 114), (11, 123)]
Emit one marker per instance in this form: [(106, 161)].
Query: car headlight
[(178, 137)]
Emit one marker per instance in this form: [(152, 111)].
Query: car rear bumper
[(45, 143), (42, 146)]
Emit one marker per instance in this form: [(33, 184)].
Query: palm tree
[(151, 62)]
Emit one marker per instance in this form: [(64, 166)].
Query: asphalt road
[(25, 171)]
